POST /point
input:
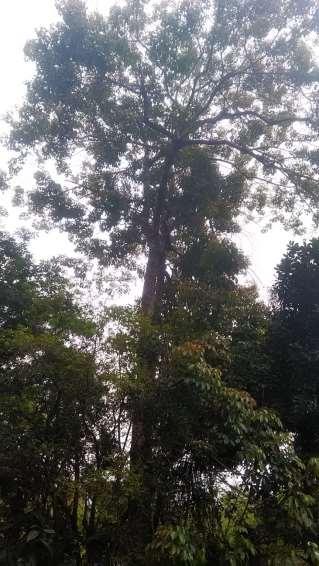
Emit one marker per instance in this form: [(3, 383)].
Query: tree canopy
[(138, 91)]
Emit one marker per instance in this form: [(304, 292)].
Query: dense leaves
[(132, 93), (294, 343), (65, 420), (52, 407)]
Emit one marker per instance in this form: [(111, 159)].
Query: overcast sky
[(18, 21)]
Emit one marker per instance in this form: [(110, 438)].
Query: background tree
[(294, 344), (55, 425)]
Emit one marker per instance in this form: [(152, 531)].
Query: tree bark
[(151, 298), (140, 512)]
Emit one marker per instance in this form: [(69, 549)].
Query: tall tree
[(185, 114)]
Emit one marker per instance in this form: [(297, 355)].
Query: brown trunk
[(140, 512), (151, 298), (140, 508)]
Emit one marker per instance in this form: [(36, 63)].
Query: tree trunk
[(75, 509), (140, 510), (151, 298)]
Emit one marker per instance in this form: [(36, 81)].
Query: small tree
[(54, 431)]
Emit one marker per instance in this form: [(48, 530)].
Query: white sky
[(18, 20)]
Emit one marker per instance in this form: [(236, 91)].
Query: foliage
[(52, 407), (146, 90), (293, 343)]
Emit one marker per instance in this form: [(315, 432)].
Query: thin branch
[(269, 120)]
